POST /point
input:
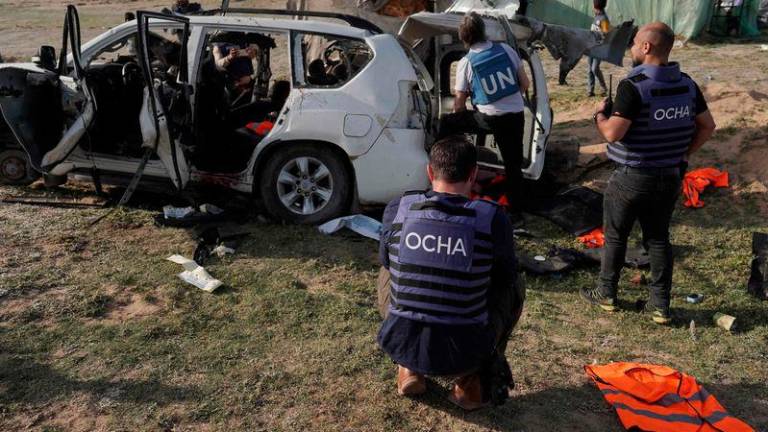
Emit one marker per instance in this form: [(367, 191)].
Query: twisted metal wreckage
[(428, 18)]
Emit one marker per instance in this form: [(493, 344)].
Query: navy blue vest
[(494, 76), (440, 257), (663, 129)]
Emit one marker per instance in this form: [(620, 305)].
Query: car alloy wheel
[(305, 185)]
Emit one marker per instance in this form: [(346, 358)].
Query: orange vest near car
[(659, 398)]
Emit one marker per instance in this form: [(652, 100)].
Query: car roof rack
[(352, 20)]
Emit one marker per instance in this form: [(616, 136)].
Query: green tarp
[(687, 17)]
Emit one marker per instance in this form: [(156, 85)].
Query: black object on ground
[(210, 237), (556, 261), (52, 202), (576, 209), (758, 279), (192, 220), (636, 257)]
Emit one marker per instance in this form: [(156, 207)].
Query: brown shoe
[(468, 393), (410, 383)]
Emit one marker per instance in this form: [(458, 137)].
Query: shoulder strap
[(443, 207)]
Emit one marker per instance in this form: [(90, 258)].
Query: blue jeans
[(593, 70), (646, 195)]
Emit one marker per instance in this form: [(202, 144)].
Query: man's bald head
[(652, 44), (659, 35)]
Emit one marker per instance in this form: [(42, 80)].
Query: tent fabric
[(688, 18)]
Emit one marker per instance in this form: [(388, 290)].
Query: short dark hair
[(452, 159), (472, 29), (600, 4)]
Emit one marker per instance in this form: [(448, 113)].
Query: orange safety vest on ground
[(659, 398), (593, 239), (696, 181)]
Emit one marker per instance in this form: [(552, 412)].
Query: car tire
[(305, 184), (15, 168)]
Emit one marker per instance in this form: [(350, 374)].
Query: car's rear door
[(32, 102), (166, 115), (538, 113)]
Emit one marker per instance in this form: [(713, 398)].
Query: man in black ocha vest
[(659, 118), (448, 287)]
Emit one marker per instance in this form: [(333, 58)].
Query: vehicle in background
[(334, 116)]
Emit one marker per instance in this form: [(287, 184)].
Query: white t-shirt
[(505, 105)]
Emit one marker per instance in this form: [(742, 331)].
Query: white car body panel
[(393, 165), (371, 117)]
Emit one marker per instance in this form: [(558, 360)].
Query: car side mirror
[(47, 57)]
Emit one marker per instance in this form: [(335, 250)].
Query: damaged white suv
[(320, 118)]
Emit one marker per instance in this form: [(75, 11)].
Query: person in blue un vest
[(658, 120), (448, 289), (492, 75)]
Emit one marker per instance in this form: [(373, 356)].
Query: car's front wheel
[(15, 168), (306, 184)]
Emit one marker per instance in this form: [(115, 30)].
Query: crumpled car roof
[(562, 42)]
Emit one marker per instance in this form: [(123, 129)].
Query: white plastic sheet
[(360, 224), (195, 274), (171, 212)]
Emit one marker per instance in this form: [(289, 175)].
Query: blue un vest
[(440, 260), (494, 76), (663, 130)]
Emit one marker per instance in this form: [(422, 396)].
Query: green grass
[(289, 342)]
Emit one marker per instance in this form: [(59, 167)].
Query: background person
[(449, 309), (659, 118), (184, 7), (237, 62), (603, 25), (492, 75)]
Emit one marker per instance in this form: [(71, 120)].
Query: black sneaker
[(658, 315), (595, 297), (591, 94)]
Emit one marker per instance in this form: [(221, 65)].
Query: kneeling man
[(448, 287)]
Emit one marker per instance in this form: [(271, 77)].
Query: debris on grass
[(195, 274), (211, 209), (171, 212), (222, 250), (692, 330), (724, 321), (360, 224)]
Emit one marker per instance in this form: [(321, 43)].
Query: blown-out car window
[(329, 61), (164, 45)]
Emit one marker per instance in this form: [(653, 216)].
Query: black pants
[(505, 305), (507, 130), (647, 196)]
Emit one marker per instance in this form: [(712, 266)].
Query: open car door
[(32, 102), (166, 119), (441, 29)]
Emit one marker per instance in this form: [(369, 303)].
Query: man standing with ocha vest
[(658, 120)]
